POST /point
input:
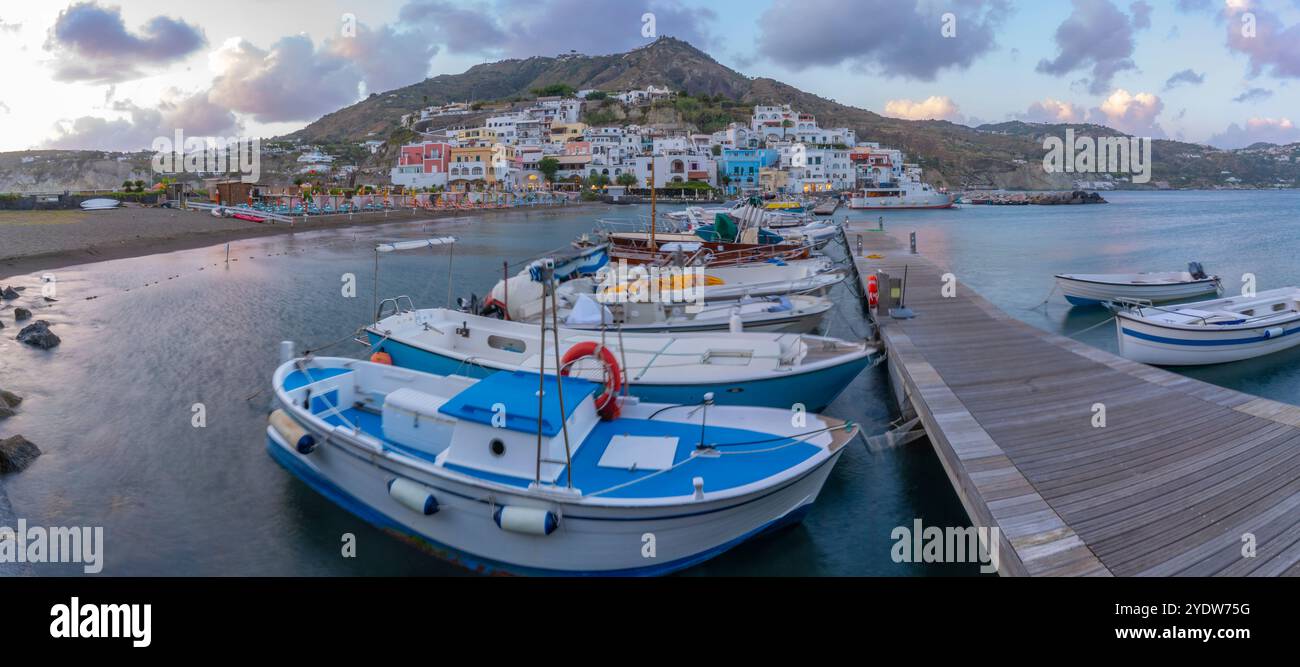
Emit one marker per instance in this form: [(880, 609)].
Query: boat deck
[(1180, 478), (763, 456)]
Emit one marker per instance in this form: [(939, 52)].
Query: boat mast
[(653, 211)]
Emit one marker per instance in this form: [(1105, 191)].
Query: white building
[(671, 169)]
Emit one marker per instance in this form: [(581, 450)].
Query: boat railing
[(394, 306)]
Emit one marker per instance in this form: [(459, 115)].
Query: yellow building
[(477, 136), (470, 167), (773, 180), (562, 132)]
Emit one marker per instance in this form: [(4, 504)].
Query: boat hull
[(815, 389), (1094, 293), (928, 201), (1162, 345), (590, 541)]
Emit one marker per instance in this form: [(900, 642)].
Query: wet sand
[(40, 240)]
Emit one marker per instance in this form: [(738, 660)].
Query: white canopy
[(412, 245)]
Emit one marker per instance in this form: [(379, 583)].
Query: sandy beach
[(39, 240)]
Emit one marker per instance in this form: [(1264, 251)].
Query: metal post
[(880, 223), (859, 245), (912, 238)]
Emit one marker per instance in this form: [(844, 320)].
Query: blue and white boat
[(763, 369), (1095, 289), (1211, 332), (491, 475)]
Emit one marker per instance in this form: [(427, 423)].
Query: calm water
[(112, 406), (1010, 253)]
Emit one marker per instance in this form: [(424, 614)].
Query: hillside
[(1001, 155)]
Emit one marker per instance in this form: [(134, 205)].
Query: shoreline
[(166, 240)]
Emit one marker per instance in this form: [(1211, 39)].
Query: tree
[(716, 149), (548, 166), (127, 186), (597, 95), (139, 185), (627, 179), (554, 90)]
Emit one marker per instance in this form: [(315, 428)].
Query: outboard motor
[(1197, 271)]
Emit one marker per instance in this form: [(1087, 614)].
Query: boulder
[(10, 399), (38, 334), (21, 314), (8, 293), (6, 412), (17, 453)]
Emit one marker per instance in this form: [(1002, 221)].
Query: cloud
[(297, 80), (1141, 14), (1099, 36), (1253, 95), (1273, 48), (1132, 114), (553, 27), (901, 38), (935, 107), (92, 43), (1194, 5), (1186, 76), (1270, 130), (10, 27), (5, 107), (1052, 111), (195, 114)]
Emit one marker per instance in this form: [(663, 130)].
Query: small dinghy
[(1211, 332), (101, 204), (490, 476), (1083, 289), (763, 369)]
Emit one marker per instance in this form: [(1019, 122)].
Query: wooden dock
[(1183, 478)]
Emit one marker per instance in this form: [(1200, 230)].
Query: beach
[(40, 240)]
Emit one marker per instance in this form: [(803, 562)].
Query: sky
[(98, 74)]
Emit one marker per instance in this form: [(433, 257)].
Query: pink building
[(422, 165)]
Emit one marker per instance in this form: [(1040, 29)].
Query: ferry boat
[(903, 194), (521, 473)]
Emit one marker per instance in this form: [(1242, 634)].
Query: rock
[(10, 399), (21, 314), (8, 293), (38, 334), (6, 412), (17, 453)]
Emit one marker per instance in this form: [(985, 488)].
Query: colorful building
[(422, 165)]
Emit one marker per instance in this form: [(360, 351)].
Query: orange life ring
[(605, 403), (382, 357)]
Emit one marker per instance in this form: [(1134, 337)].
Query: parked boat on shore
[(1092, 289), (762, 369), (487, 474), (1211, 332)]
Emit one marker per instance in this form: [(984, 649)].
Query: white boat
[(519, 298), (1211, 332), (1090, 289), (101, 204), (479, 473), (903, 194), (761, 369), (799, 313)]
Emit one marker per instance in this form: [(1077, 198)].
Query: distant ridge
[(1001, 155)]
